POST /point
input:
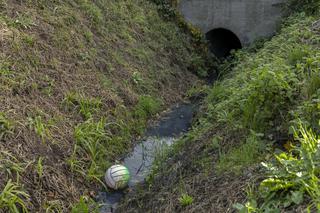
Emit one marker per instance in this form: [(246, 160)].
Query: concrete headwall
[(248, 19)]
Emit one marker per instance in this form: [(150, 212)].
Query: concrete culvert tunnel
[(222, 41)]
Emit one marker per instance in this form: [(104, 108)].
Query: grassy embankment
[(265, 107), (78, 81)]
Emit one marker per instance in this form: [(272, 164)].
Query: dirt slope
[(78, 81)]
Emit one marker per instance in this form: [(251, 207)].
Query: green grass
[(104, 68), (93, 12), (260, 91), (91, 141), (270, 92), (40, 167), (242, 156), (146, 107), (263, 94), (6, 126), (85, 205), (29, 40), (185, 200), (40, 127), (22, 21), (12, 198), (98, 141), (297, 55), (87, 107), (11, 166)]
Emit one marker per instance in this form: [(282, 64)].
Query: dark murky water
[(139, 162)]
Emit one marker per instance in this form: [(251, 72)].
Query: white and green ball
[(117, 177)]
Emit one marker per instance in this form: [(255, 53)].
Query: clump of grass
[(10, 165), (29, 40), (137, 79), (185, 200), (198, 64), (40, 167), (88, 36), (85, 106), (313, 85), (310, 68), (12, 198), (145, 108), (92, 10), (40, 127), (22, 21), (48, 86), (91, 143), (6, 126), (296, 56), (85, 205), (242, 156)]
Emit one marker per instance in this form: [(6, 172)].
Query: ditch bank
[(139, 162), (229, 161)]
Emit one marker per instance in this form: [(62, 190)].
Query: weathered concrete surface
[(248, 19)]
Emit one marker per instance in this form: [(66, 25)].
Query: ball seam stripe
[(118, 171)]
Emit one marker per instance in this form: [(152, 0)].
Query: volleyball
[(117, 177)]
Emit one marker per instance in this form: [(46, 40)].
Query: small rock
[(92, 194)]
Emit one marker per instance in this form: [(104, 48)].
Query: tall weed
[(294, 176)]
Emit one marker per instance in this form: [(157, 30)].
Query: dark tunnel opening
[(222, 41)]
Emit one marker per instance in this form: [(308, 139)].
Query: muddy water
[(174, 123)]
